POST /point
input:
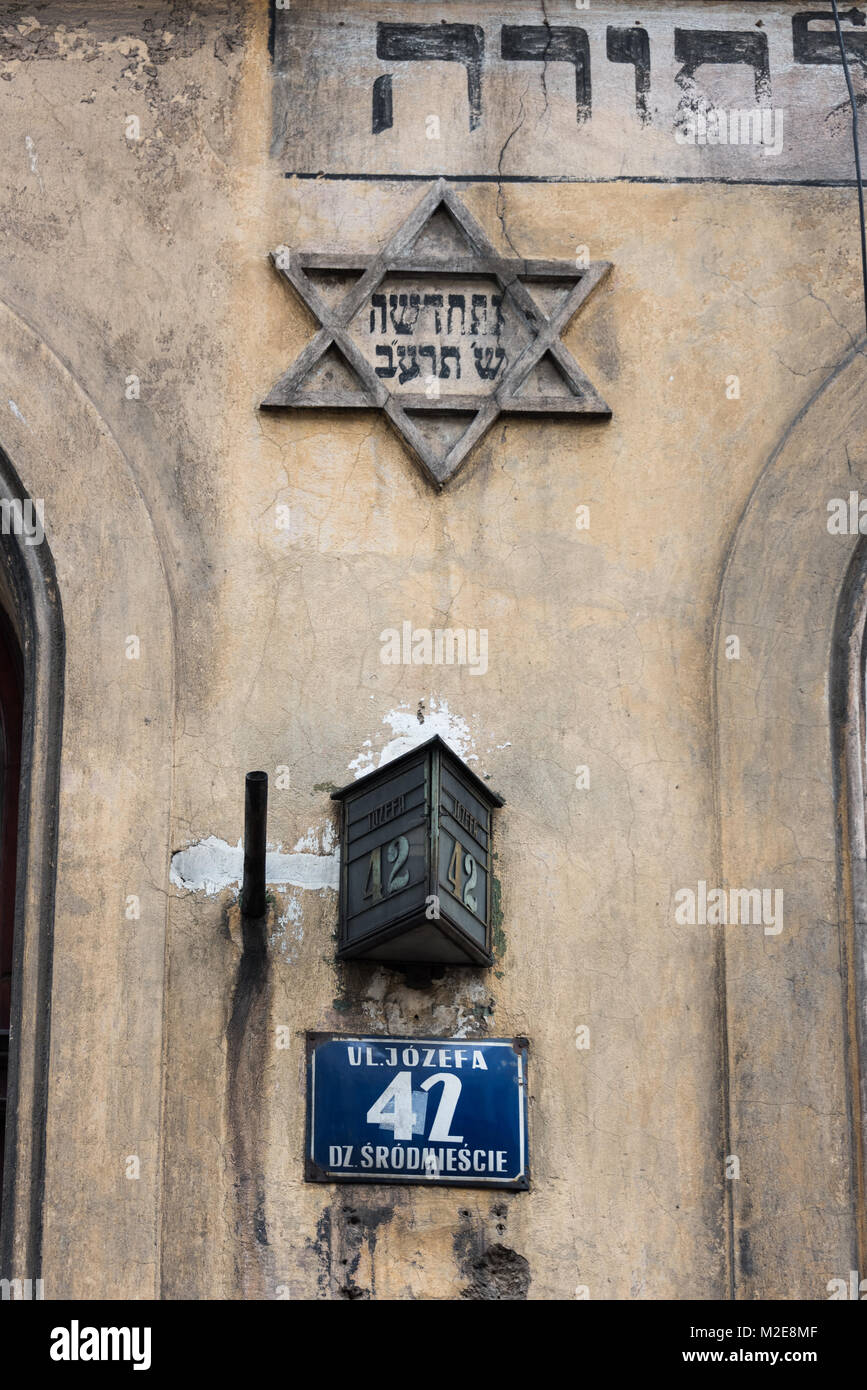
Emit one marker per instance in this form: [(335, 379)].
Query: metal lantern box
[(415, 861)]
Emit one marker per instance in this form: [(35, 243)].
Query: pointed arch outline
[(788, 732)]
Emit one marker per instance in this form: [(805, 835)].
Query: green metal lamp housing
[(415, 861)]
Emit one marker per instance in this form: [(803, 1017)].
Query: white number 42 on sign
[(402, 1110)]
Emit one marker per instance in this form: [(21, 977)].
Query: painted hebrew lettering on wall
[(544, 43), (428, 43), (598, 98), (632, 46), (820, 45), (696, 47)]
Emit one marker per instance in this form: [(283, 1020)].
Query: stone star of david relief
[(440, 332)]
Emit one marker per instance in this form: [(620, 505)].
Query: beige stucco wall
[(260, 648)]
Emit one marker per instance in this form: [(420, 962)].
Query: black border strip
[(32, 582), (672, 179)]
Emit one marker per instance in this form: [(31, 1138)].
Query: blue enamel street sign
[(430, 1110)]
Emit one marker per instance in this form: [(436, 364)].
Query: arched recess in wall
[(849, 697), (783, 716), (30, 601), (107, 996)]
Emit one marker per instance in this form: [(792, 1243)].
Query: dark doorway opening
[(11, 704)]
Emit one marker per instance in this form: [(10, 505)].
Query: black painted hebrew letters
[(695, 47), (405, 315), (426, 43), (820, 45), (544, 43), (632, 46)]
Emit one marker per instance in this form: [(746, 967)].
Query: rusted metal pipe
[(255, 825)]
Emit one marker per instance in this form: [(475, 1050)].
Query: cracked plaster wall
[(260, 648)]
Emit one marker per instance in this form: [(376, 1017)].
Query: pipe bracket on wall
[(253, 902)]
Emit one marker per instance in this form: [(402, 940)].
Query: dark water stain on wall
[(491, 1269), (344, 1229), (247, 1046)]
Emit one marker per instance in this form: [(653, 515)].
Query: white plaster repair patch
[(409, 732), (212, 865)]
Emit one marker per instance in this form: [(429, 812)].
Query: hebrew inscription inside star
[(440, 332)]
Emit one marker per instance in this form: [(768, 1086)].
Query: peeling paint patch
[(288, 931), (29, 40), (493, 1271), (457, 1020), (498, 1274), (33, 161), (375, 998), (318, 840), (212, 865)]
